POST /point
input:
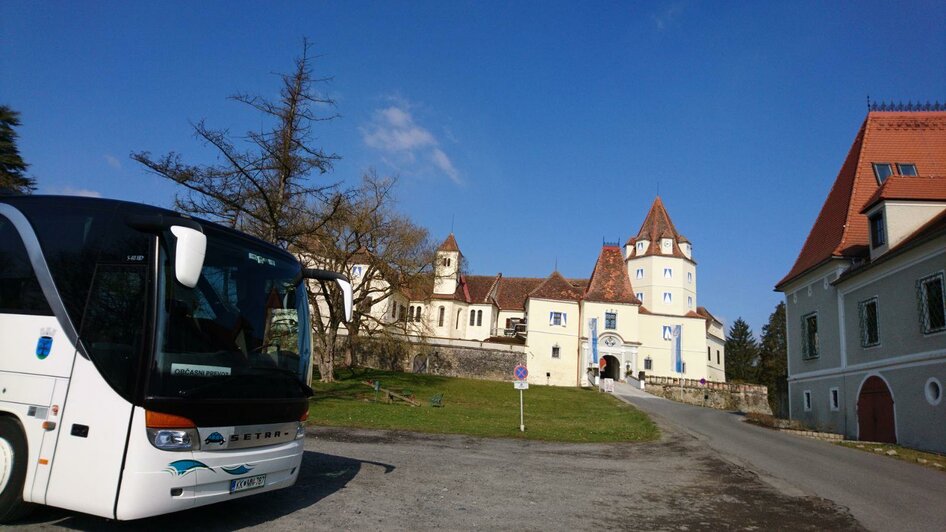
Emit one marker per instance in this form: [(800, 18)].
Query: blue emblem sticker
[(183, 467), (239, 470), (43, 347), (215, 437)]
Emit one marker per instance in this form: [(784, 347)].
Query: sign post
[(520, 373)]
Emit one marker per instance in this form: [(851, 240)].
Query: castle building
[(617, 323), (864, 301)]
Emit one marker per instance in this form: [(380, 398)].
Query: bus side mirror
[(343, 283), (189, 252)]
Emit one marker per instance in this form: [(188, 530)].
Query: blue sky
[(541, 128)]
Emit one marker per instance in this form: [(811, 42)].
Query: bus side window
[(113, 325), (20, 292)]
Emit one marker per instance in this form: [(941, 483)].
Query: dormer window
[(882, 171), (878, 234), (640, 246), (446, 262), (907, 169)]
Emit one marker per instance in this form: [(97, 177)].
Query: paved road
[(376, 480), (880, 492)]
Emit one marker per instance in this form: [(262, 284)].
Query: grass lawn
[(478, 408)]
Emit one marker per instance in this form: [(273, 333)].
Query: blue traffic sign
[(520, 372)]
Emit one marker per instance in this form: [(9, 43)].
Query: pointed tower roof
[(841, 231), (556, 287), (609, 280), (450, 244), (657, 225)]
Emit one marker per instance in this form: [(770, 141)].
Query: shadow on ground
[(321, 475)]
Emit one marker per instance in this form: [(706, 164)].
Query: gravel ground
[(384, 480)]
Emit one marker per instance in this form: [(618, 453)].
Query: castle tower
[(660, 265), (447, 267)]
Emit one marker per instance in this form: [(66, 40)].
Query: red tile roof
[(450, 244), (932, 229), (511, 292), (657, 225), (707, 315), (609, 280), (885, 137), (481, 287), (909, 189), (556, 287)]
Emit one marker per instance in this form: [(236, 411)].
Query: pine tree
[(12, 167), (742, 353), (773, 358)]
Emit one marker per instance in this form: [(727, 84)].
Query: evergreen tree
[(773, 358), (742, 353), (12, 167)]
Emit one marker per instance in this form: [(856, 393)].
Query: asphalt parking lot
[(381, 480)]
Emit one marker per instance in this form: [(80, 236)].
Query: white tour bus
[(149, 362)]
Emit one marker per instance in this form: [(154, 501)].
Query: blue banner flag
[(593, 331), (677, 351)]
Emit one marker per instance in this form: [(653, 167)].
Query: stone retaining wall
[(485, 363), (719, 395)]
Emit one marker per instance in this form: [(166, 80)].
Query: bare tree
[(265, 183), (268, 185), (396, 255)]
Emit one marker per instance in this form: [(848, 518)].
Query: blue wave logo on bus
[(43, 347), (183, 467), (215, 437), (238, 470)]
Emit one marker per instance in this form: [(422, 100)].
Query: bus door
[(96, 415)]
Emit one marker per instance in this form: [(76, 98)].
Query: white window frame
[(804, 337), (613, 313), (689, 277), (689, 301), (356, 271), (640, 273), (862, 320), (924, 311), (834, 399), (668, 297), (806, 400), (562, 318), (668, 273), (640, 295)]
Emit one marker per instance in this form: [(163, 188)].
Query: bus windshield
[(241, 333)]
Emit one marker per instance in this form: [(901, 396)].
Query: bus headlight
[(173, 439)]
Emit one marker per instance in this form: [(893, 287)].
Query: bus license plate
[(248, 483)]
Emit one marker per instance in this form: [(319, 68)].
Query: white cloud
[(667, 15), (72, 191), (443, 162), (403, 142), (113, 161)]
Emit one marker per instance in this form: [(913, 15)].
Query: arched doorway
[(612, 368), (875, 412)]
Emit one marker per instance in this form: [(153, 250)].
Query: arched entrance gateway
[(875, 421), (612, 368)]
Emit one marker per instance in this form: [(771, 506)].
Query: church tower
[(660, 265), (447, 267)]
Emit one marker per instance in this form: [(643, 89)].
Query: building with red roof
[(865, 307), (615, 324)]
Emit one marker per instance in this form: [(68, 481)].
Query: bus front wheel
[(13, 458)]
